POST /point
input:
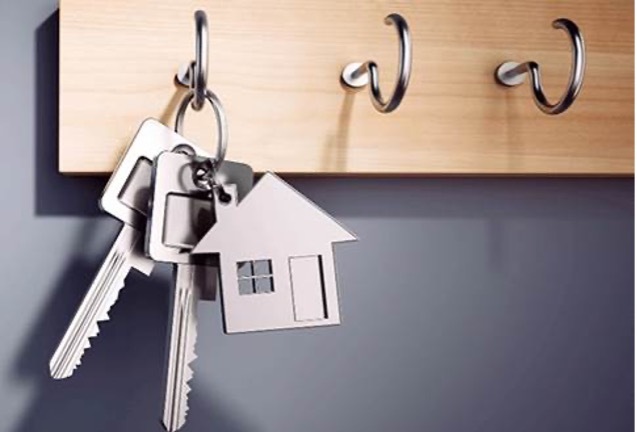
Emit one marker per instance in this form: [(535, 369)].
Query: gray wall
[(469, 304)]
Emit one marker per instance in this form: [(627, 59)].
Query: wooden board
[(276, 67)]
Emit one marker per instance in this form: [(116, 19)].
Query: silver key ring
[(222, 125)]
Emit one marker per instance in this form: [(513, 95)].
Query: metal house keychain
[(280, 274)]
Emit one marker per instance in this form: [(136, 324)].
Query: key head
[(180, 211), (127, 192)]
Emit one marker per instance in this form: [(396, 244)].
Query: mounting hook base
[(355, 76), (507, 75), (183, 77)]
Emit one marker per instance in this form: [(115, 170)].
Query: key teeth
[(187, 389), (189, 372), (181, 420), (169, 428), (59, 359), (58, 375), (183, 336)]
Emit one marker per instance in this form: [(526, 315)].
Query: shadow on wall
[(55, 194)]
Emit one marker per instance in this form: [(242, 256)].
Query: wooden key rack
[(276, 67)]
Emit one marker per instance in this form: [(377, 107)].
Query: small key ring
[(204, 169), (204, 176), (222, 125)]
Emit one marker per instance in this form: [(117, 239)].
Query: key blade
[(181, 351), (101, 296)]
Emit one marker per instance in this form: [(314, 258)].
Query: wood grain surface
[(276, 65)]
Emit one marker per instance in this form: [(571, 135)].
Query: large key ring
[(222, 125), (204, 175)]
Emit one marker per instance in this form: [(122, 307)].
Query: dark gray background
[(468, 305)]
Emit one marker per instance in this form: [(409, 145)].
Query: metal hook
[(512, 74), (355, 76), (194, 75)]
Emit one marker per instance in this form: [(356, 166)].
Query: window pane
[(263, 267), (264, 285), (244, 269), (246, 286)]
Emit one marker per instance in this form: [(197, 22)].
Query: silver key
[(126, 253), (180, 214), (123, 197), (181, 349), (126, 198)]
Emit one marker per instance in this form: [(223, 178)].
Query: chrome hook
[(355, 76), (512, 74), (194, 75)]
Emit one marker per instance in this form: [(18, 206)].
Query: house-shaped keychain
[(275, 258)]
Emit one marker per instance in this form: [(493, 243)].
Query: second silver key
[(180, 214), (181, 344)]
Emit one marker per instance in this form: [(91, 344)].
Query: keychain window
[(255, 277)]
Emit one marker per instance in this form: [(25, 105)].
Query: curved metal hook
[(512, 73), (355, 76), (194, 75)]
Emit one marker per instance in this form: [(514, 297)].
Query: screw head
[(351, 79), (503, 76)]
